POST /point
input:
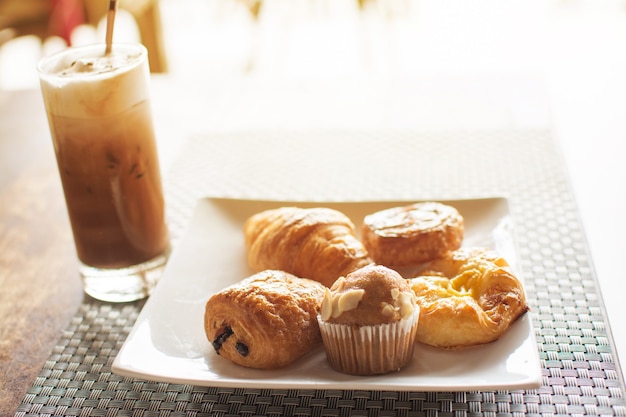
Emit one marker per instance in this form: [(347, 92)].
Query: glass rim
[(43, 65)]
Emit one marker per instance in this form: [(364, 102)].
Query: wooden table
[(40, 289)]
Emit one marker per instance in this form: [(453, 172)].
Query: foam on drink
[(90, 83)]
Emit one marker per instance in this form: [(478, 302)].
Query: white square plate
[(168, 343)]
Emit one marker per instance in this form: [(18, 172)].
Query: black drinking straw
[(110, 21)]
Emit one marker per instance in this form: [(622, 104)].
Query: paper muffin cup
[(370, 350)]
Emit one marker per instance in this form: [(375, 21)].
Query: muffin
[(368, 322)]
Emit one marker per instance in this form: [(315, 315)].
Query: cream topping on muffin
[(335, 304)]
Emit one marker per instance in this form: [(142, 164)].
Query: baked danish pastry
[(469, 297), (316, 243), (265, 321), (412, 234)]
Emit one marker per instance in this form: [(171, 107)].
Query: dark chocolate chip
[(242, 348), (221, 338)]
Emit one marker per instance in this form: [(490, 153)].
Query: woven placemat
[(581, 375)]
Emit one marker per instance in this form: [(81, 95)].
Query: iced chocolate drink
[(100, 119)]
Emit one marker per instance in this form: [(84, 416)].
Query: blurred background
[(563, 40)]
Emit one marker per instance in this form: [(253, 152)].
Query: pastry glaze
[(265, 321), (412, 234), (469, 297), (315, 243)]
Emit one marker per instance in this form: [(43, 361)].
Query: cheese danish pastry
[(469, 297)]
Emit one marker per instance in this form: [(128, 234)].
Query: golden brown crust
[(265, 321), (470, 297), (379, 302), (412, 234), (315, 243)]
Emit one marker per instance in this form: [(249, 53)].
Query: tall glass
[(100, 120)]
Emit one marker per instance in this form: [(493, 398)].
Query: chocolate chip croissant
[(265, 321), (316, 243)]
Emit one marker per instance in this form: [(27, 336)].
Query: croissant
[(315, 243), (265, 321)]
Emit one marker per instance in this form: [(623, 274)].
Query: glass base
[(123, 284)]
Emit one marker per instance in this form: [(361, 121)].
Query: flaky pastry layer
[(467, 298), (316, 243), (266, 321)]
